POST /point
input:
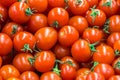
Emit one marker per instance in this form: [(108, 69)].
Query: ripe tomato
[(95, 76), (29, 75), (6, 44), (44, 61), (80, 77), (3, 14), (83, 71), (13, 78), (92, 35), (21, 62), (38, 5), (104, 51), (19, 12), (61, 51), (67, 35), (46, 38), (96, 17), (93, 3), (81, 51), (79, 22), (58, 17), (104, 69), (7, 3), (8, 71), (78, 7), (27, 42), (36, 22), (116, 47), (50, 76), (110, 7), (11, 29), (114, 77), (112, 38), (68, 72)]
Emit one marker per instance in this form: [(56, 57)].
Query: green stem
[(92, 46), (117, 65), (94, 65), (55, 24), (66, 4), (106, 26), (78, 2), (108, 3), (31, 60), (56, 70), (14, 29), (28, 12), (26, 48), (117, 52)]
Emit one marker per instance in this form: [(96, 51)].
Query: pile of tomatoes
[(60, 40)]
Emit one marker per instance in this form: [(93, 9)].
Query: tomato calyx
[(78, 2), (56, 70), (28, 12), (31, 60), (26, 48), (117, 65), (1, 18), (66, 4), (55, 24), (92, 46), (66, 62), (106, 26), (107, 3), (94, 65), (14, 29), (117, 52)]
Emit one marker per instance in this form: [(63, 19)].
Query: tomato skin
[(1, 61), (6, 44), (17, 12), (46, 38), (50, 76), (7, 3), (80, 77), (13, 78), (116, 45), (44, 61), (7, 71), (11, 29), (38, 5), (93, 3), (79, 22), (21, 62), (67, 35), (83, 71), (104, 51), (104, 69), (36, 22), (78, 8), (97, 20), (80, 51), (29, 75), (58, 14), (114, 77)]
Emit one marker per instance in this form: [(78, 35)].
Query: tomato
[(83, 71), (44, 61), (93, 3), (6, 44), (104, 69), (95, 76), (13, 78), (58, 17), (96, 17), (36, 22), (112, 38), (67, 35), (79, 22), (116, 64), (80, 77), (29, 75), (110, 7), (38, 5), (19, 12), (7, 71), (114, 77), (116, 47), (61, 51), (80, 51), (21, 62), (68, 72), (78, 7), (92, 35), (104, 51), (27, 42), (46, 38), (3, 14), (11, 29), (50, 76)]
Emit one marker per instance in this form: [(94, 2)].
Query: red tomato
[(96, 17), (21, 62), (11, 29), (38, 5), (7, 3), (78, 7), (93, 3), (104, 69), (79, 22), (50, 76), (80, 77), (110, 7), (61, 51), (27, 42), (83, 71), (29, 75), (19, 12), (116, 47), (81, 51), (46, 38), (67, 35), (44, 61), (8, 71), (114, 77), (6, 44), (36, 22), (13, 78), (58, 17)]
